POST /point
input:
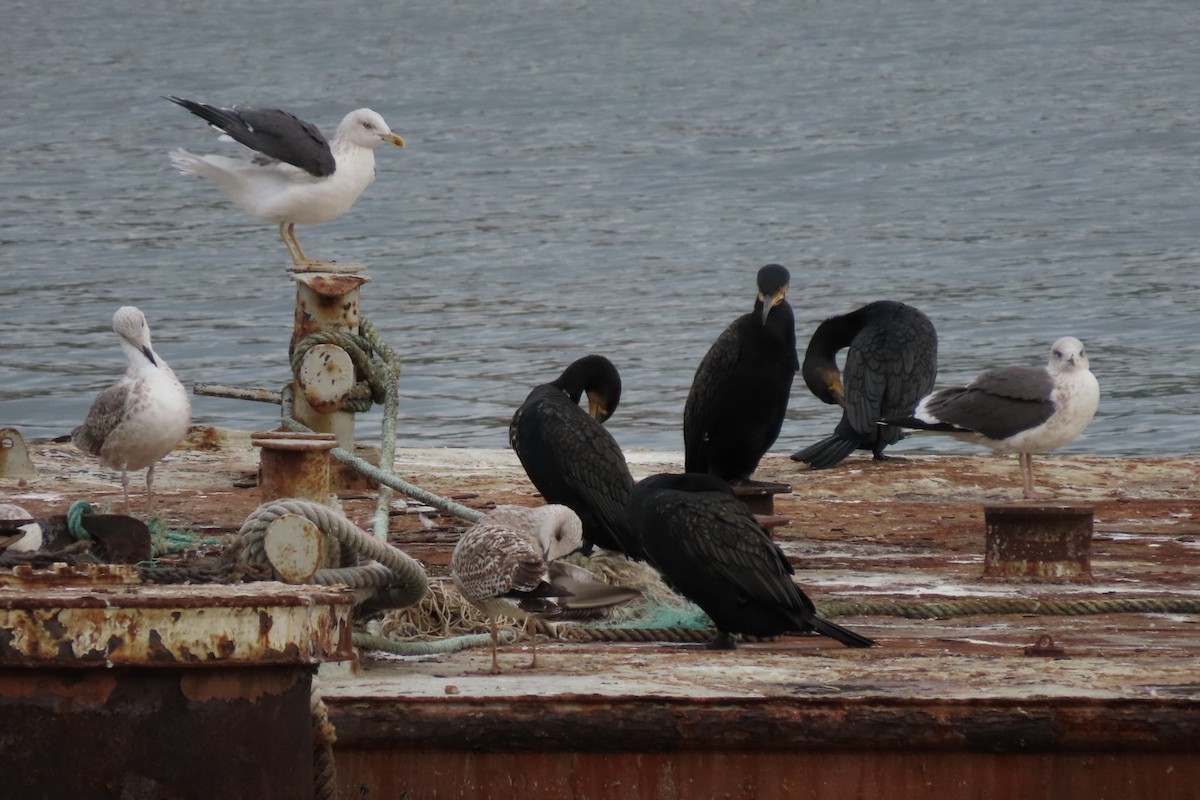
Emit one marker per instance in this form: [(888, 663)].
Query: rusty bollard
[(759, 497), (163, 691), (326, 303), (1051, 543), (294, 465)]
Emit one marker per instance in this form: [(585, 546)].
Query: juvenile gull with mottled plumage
[(506, 565), (296, 176), (140, 419), (1022, 410)]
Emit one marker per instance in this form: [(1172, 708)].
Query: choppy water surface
[(607, 177)]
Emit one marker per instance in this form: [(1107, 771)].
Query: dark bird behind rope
[(571, 458), (709, 547), (739, 395), (891, 363)]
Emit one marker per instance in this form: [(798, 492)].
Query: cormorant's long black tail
[(843, 635), (827, 452)]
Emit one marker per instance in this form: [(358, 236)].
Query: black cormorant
[(739, 395), (1022, 410), (709, 547), (571, 458), (891, 364)]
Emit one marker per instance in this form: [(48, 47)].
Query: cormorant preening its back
[(571, 458), (709, 547), (891, 364), (739, 395)]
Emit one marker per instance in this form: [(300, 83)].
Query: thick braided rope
[(406, 574), (391, 411), (324, 737), (75, 514), (1012, 605), (912, 610), (581, 633), (377, 373)]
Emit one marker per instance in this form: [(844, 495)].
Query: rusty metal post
[(163, 691), (759, 496), (294, 465), (325, 302), (1038, 542)]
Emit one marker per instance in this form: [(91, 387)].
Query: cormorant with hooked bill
[(739, 395), (571, 458)]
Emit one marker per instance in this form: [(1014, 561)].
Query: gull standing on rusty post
[(140, 419), (1023, 410), (296, 176), (506, 565)]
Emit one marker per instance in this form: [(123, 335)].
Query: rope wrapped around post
[(372, 357), (403, 575), (381, 376)]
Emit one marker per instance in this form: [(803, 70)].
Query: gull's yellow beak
[(394, 138)]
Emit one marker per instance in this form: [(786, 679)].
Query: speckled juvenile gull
[(506, 565), (296, 176), (141, 418), (1023, 410)]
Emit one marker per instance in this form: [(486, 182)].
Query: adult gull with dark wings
[(296, 176), (1023, 410)]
